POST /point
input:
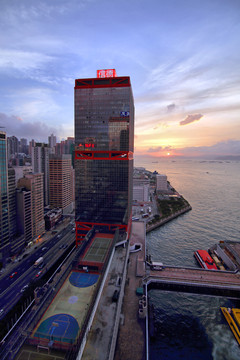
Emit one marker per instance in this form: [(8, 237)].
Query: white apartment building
[(162, 184)]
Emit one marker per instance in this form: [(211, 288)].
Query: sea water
[(192, 326)]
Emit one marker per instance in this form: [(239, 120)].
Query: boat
[(227, 312), (205, 260), (236, 313)]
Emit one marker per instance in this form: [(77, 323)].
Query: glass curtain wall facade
[(104, 133)]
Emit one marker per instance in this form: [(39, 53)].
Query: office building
[(34, 183), (21, 171), (24, 214), (4, 209), (40, 164), (13, 146), (23, 146), (104, 135), (162, 184), (141, 189), (61, 183), (52, 140), (12, 202)]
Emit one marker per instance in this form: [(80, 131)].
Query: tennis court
[(97, 250)]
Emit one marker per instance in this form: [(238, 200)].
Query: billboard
[(106, 73)]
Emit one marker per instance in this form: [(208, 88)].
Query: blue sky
[(183, 57)]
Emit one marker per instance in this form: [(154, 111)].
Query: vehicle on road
[(24, 288), (13, 274), (115, 296), (155, 265), (38, 262), (38, 274), (41, 265)]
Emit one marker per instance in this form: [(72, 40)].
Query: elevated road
[(211, 282)]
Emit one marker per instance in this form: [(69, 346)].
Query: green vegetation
[(169, 207)]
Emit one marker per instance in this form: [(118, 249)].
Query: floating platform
[(231, 322)]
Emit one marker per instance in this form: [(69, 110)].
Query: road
[(14, 280)]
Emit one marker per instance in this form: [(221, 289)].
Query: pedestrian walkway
[(131, 336)]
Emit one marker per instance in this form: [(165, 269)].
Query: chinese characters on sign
[(89, 145), (106, 73)]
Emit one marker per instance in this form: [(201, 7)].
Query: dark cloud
[(171, 107), (191, 118), (14, 125)]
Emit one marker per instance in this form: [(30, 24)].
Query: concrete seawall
[(167, 219)]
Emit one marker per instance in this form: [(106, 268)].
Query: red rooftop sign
[(106, 73)]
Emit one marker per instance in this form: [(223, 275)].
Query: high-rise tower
[(104, 136), (40, 164), (34, 183), (4, 208), (61, 182)]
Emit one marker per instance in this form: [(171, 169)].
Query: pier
[(193, 280), (133, 335)]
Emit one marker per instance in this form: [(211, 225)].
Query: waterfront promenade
[(163, 221), (131, 336)]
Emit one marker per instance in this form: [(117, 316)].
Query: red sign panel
[(106, 73)]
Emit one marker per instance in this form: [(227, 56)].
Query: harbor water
[(192, 326)]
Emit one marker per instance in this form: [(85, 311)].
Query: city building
[(40, 164), (13, 146), (24, 214), (141, 189), (4, 209), (34, 183), (21, 171), (23, 146), (66, 147), (12, 206), (162, 184), (52, 140), (104, 136), (52, 217), (61, 183)]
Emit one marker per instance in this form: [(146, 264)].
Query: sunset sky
[(183, 57)]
